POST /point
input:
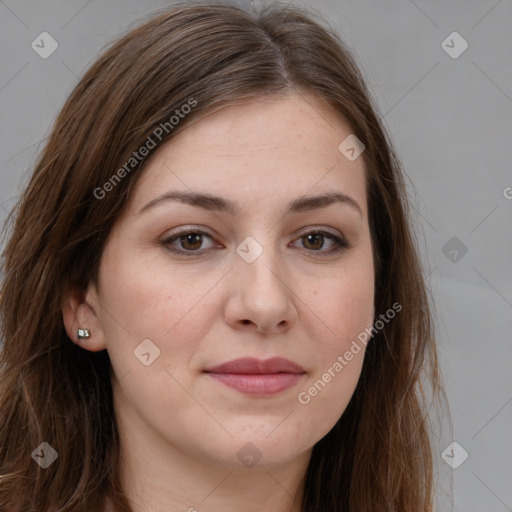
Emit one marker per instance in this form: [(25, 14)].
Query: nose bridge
[(259, 267)]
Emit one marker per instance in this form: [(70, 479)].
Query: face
[(259, 270)]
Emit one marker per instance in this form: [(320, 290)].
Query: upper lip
[(252, 365)]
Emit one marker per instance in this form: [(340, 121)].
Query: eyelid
[(183, 230), (319, 229)]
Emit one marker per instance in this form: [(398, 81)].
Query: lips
[(253, 366), (258, 377)]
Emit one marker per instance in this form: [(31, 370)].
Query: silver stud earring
[(83, 334)]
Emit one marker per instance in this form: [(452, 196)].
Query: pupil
[(193, 239), (315, 238)]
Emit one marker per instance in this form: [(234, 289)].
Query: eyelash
[(341, 244)]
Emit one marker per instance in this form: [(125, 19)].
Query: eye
[(190, 242), (315, 241)]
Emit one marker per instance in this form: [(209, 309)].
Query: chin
[(257, 449)]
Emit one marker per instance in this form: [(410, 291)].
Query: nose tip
[(259, 298)]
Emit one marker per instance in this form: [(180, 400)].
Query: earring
[(83, 333)]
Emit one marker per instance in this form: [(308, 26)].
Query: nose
[(261, 298)]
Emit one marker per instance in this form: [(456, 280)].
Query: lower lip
[(262, 384)]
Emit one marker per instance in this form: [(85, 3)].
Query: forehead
[(274, 147)]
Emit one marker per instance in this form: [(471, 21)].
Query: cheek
[(345, 309), (145, 300), (340, 309), (324, 398), (150, 309), (326, 393), (150, 299)]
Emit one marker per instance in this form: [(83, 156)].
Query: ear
[(79, 311)]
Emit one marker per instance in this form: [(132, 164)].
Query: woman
[(213, 299)]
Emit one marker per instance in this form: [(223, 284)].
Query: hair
[(378, 456)]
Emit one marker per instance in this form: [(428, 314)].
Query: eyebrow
[(219, 204)]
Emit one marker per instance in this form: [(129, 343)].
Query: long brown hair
[(378, 457)]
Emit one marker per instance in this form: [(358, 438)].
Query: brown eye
[(187, 243), (191, 241), (315, 241)]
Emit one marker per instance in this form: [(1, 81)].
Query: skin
[(180, 429)]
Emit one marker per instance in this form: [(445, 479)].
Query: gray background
[(450, 119)]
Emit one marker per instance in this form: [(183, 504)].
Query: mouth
[(256, 376)]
